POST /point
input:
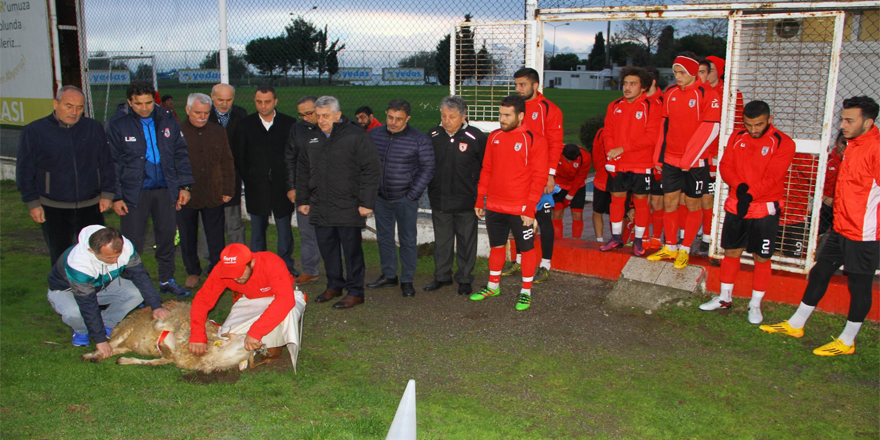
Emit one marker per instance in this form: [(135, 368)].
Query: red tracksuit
[(270, 278), (572, 176), (685, 138), (831, 170), (761, 164), (857, 196), (545, 119), (514, 172), (799, 188), (635, 127), (600, 181)]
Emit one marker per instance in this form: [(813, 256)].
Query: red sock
[(729, 269), (577, 226), (692, 227), (529, 261), (657, 219), (642, 210), (707, 221), (670, 226), (682, 218), (557, 227), (496, 263), (617, 209), (762, 276)]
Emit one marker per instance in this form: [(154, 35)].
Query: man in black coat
[(229, 115), (258, 151), (337, 182), (458, 154)]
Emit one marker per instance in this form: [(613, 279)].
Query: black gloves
[(743, 200)]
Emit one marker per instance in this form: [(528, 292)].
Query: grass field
[(567, 368), (576, 105)]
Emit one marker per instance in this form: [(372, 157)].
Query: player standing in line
[(632, 125), (854, 242), (657, 209), (511, 182), (754, 166), (691, 112), (571, 176), (601, 196), (544, 119)]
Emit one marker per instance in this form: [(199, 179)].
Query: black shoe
[(465, 289), (382, 282), (435, 285), (408, 290)]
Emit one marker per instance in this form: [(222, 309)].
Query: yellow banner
[(23, 111)]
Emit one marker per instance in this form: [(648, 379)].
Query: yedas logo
[(229, 260)]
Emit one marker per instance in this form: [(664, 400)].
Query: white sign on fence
[(114, 77), (25, 62), (403, 74), (354, 74), (190, 76)]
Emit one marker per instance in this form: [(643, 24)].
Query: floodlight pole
[(554, 34), (224, 44)]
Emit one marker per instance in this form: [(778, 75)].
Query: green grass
[(576, 105), (483, 371)]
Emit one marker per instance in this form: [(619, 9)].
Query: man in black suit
[(258, 149), (229, 115)]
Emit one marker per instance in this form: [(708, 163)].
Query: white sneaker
[(715, 303), (755, 315)]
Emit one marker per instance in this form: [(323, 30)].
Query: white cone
[(403, 427)]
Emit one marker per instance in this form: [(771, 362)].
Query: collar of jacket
[(156, 115), (461, 130), (399, 133), (522, 128), (62, 124), (870, 136)]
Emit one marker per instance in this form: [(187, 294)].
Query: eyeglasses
[(303, 115)]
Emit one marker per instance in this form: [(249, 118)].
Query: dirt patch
[(197, 377), (26, 240)]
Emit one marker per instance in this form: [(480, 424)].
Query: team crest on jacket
[(167, 132), (462, 147), (639, 115), (764, 151), (692, 103), (534, 115), (517, 146), (575, 164)]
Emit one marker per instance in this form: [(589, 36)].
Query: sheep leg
[(96, 355), (151, 362)]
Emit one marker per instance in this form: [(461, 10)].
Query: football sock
[(707, 225), (657, 219), (726, 292), (691, 227), (800, 316), (670, 225), (618, 210), (849, 332), (642, 213), (757, 296), (761, 279), (496, 263), (528, 267), (557, 227), (545, 263), (518, 258), (577, 226)]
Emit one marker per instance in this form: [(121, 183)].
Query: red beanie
[(690, 65), (719, 64)]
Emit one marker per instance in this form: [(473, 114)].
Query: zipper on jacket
[(385, 165)]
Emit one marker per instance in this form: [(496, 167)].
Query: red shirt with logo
[(683, 142), (514, 172), (635, 127), (762, 164), (857, 195), (545, 119), (600, 180), (270, 278), (572, 176)]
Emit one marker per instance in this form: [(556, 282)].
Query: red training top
[(572, 176), (831, 170), (857, 196), (545, 119), (514, 172), (373, 124), (635, 127), (600, 181), (690, 126), (269, 279), (799, 188)]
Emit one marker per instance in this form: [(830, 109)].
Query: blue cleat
[(173, 288), (80, 340)]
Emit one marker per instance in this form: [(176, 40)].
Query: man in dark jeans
[(154, 174), (64, 171), (339, 163), (407, 165)]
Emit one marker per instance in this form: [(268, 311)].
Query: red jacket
[(738, 108), (572, 176), (270, 278), (857, 196), (545, 119), (690, 125), (635, 127), (800, 185), (601, 179), (514, 172), (761, 164), (373, 124), (831, 170)]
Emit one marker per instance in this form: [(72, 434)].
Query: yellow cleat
[(835, 348), (663, 254), (783, 328), (681, 260)]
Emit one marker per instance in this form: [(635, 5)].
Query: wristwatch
[(187, 188)]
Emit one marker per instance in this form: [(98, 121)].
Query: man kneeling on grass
[(266, 306), (87, 276)]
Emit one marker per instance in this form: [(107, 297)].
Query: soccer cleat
[(80, 340), (835, 348), (783, 328), (541, 275), (108, 330), (681, 261), (663, 254), (176, 237), (614, 243), (755, 315), (523, 302), (715, 303), (701, 248), (638, 249), (655, 243), (510, 268), (173, 288), (484, 293)]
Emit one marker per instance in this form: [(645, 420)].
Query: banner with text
[(354, 74), (193, 76), (114, 77), (403, 74), (26, 73)]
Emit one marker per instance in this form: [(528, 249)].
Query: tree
[(713, 27), (441, 60), (596, 58), (665, 47), (644, 32), (422, 59), (143, 72), (267, 55), (564, 61), (302, 39), (702, 45), (237, 63), (325, 53), (628, 52), (487, 65), (465, 55), (333, 64)]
